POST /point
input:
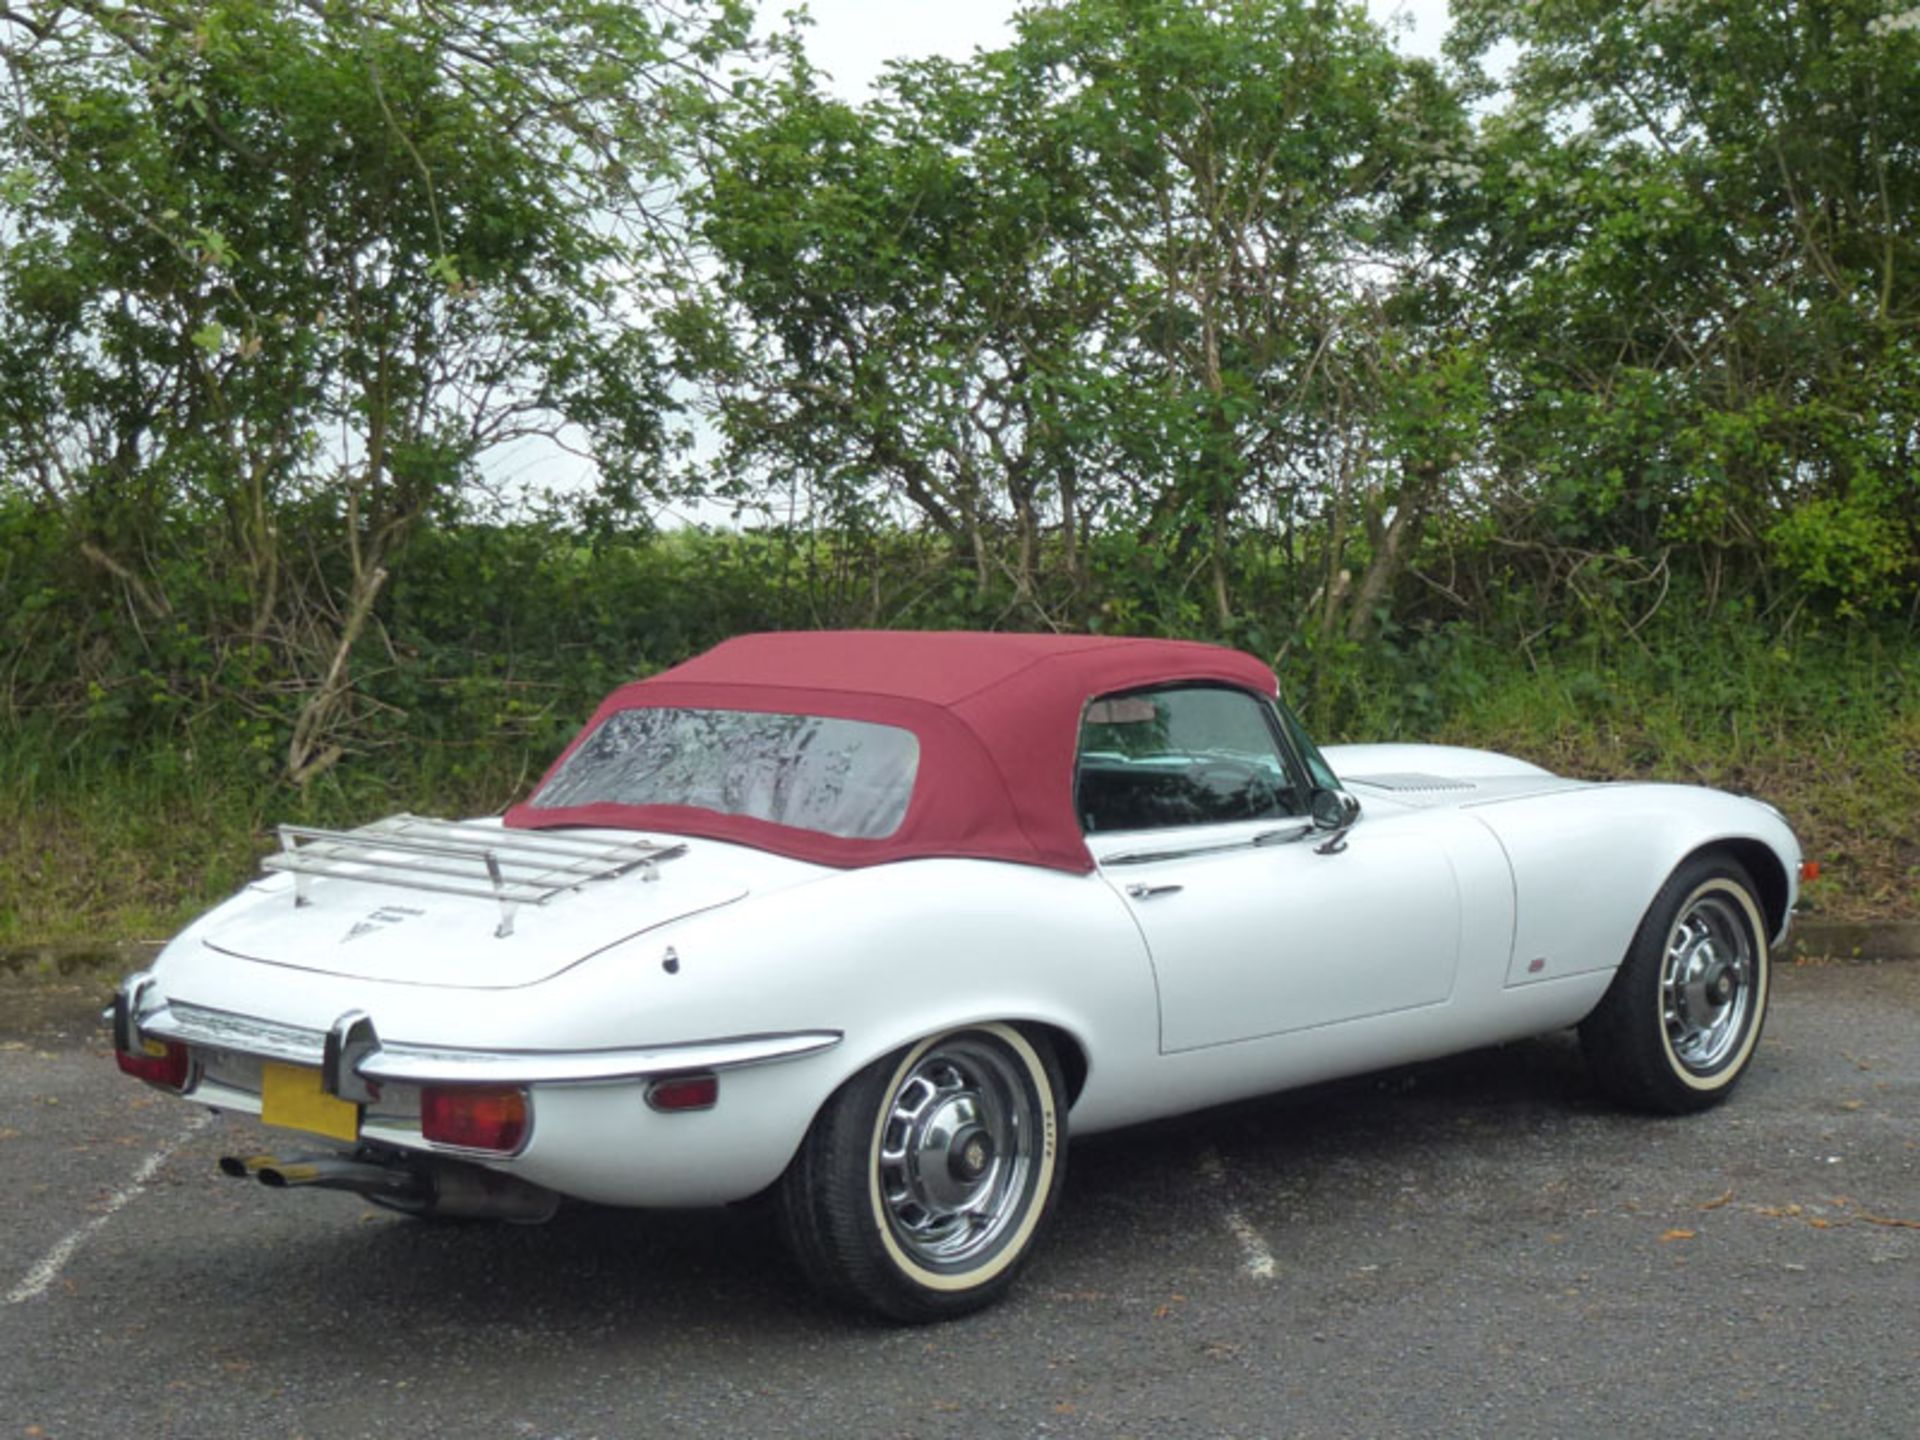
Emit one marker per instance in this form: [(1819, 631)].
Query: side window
[(1198, 755)]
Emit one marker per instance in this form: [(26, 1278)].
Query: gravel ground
[(1477, 1247)]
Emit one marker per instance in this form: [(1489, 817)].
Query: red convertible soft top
[(997, 718)]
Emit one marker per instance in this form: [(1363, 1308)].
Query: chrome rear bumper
[(351, 1054)]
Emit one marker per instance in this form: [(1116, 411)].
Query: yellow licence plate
[(290, 1095)]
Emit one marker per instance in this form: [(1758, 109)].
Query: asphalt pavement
[(1480, 1247)]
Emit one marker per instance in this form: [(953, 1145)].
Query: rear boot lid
[(415, 901)]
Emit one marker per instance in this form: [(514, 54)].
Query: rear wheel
[(1678, 1025), (926, 1179)]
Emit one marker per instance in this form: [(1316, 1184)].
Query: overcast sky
[(853, 39)]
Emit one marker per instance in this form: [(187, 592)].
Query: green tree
[(275, 266), (1106, 278), (1711, 334)]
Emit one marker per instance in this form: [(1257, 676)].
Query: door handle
[(1146, 892)]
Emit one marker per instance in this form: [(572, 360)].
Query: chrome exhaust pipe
[(342, 1172), (428, 1187)]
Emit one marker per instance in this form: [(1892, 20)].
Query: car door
[(1195, 812)]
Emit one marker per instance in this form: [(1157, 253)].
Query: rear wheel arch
[(926, 1177), (1066, 1049)]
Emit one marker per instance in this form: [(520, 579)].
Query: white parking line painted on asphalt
[(1256, 1258), (55, 1260)]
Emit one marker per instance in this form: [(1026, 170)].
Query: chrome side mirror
[(1334, 813)]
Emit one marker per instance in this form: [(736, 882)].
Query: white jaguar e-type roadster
[(871, 920)]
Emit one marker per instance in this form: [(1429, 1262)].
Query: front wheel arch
[(1682, 1016), (1766, 869)]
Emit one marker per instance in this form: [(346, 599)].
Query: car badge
[(379, 920)]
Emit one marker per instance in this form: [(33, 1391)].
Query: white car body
[(1476, 899)]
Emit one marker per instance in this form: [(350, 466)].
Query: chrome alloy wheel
[(1708, 983), (955, 1152)]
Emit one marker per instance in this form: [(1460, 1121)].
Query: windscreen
[(847, 778)]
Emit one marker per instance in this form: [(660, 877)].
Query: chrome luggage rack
[(512, 867)]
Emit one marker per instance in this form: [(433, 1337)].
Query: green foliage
[(1574, 414), (141, 785), (1705, 214), (1102, 279), (268, 259)]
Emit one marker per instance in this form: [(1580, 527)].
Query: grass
[(131, 849), (1828, 730), (1851, 793), (130, 846)]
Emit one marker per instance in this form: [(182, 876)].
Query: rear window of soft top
[(847, 778)]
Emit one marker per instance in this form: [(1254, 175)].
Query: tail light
[(475, 1117), (157, 1062)]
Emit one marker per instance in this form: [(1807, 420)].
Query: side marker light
[(676, 1093)]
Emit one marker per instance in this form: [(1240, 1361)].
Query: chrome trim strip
[(1280, 835), (419, 1066), (403, 1135), (195, 1025), (221, 1096), (427, 1065)]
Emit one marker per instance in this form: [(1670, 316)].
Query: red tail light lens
[(475, 1117), (170, 1067), (684, 1092)]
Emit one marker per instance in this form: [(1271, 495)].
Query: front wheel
[(925, 1180), (1678, 1025)]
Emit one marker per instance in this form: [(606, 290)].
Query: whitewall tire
[(1678, 1026), (927, 1178)]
